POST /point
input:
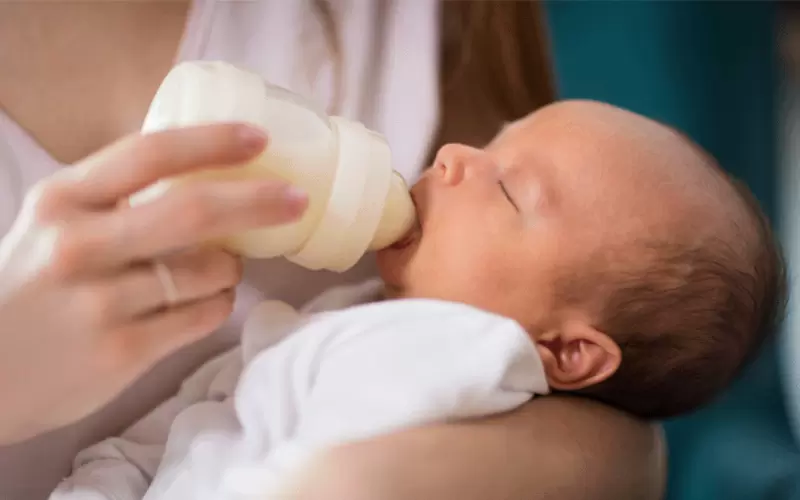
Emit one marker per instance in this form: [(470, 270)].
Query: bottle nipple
[(369, 206), (398, 217)]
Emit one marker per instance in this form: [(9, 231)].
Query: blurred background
[(726, 73)]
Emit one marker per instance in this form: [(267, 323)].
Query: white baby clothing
[(303, 381)]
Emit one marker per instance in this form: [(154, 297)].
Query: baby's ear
[(577, 356)]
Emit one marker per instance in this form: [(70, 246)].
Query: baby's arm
[(412, 364), (122, 468)]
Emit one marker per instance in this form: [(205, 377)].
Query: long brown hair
[(495, 65)]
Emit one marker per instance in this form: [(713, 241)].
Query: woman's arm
[(554, 447)]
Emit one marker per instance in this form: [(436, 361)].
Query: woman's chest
[(76, 76)]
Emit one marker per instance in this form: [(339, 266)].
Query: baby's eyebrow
[(500, 130)]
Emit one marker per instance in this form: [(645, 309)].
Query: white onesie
[(303, 381)]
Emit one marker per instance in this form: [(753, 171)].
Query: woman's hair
[(495, 65)]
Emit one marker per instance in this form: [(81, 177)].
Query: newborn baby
[(586, 249)]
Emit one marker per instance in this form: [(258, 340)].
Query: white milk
[(356, 201)]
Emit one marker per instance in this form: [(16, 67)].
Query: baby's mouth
[(413, 234)]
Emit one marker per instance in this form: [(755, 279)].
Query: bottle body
[(344, 168)]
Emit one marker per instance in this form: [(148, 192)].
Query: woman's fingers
[(138, 161), (154, 337), (188, 215), (195, 275), (194, 213)]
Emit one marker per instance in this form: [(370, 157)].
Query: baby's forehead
[(613, 162), (600, 139), (573, 121)]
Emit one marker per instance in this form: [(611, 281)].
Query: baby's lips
[(408, 239), (416, 230)]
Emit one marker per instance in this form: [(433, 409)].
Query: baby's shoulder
[(406, 319), (423, 336), (420, 309)]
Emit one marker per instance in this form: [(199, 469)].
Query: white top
[(311, 380), (390, 83)]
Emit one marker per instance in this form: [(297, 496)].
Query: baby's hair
[(688, 316)]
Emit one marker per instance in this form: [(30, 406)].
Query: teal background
[(710, 69)]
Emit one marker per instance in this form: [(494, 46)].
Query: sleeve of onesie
[(400, 365), (121, 468)]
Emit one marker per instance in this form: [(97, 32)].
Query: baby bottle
[(357, 202)]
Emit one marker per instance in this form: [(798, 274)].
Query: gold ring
[(164, 276)]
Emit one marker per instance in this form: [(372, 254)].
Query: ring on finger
[(164, 275)]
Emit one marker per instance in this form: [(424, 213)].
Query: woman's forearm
[(553, 448)]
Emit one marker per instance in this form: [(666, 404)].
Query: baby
[(586, 250)]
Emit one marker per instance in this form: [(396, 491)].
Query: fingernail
[(252, 137), (295, 196)]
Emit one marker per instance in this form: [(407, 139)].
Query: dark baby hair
[(688, 317)]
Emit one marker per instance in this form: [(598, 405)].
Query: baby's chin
[(392, 264)]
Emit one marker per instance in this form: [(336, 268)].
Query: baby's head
[(645, 276)]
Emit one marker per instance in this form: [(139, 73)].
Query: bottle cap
[(369, 205)]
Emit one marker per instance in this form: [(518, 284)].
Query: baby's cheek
[(468, 272), (432, 271)]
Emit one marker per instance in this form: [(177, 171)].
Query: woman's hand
[(554, 447), (93, 292)]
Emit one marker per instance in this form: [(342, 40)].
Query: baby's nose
[(452, 162)]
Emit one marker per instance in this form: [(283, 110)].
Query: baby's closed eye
[(507, 195)]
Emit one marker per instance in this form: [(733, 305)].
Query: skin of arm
[(552, 448)]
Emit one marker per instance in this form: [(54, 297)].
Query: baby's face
[(499, 226)]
